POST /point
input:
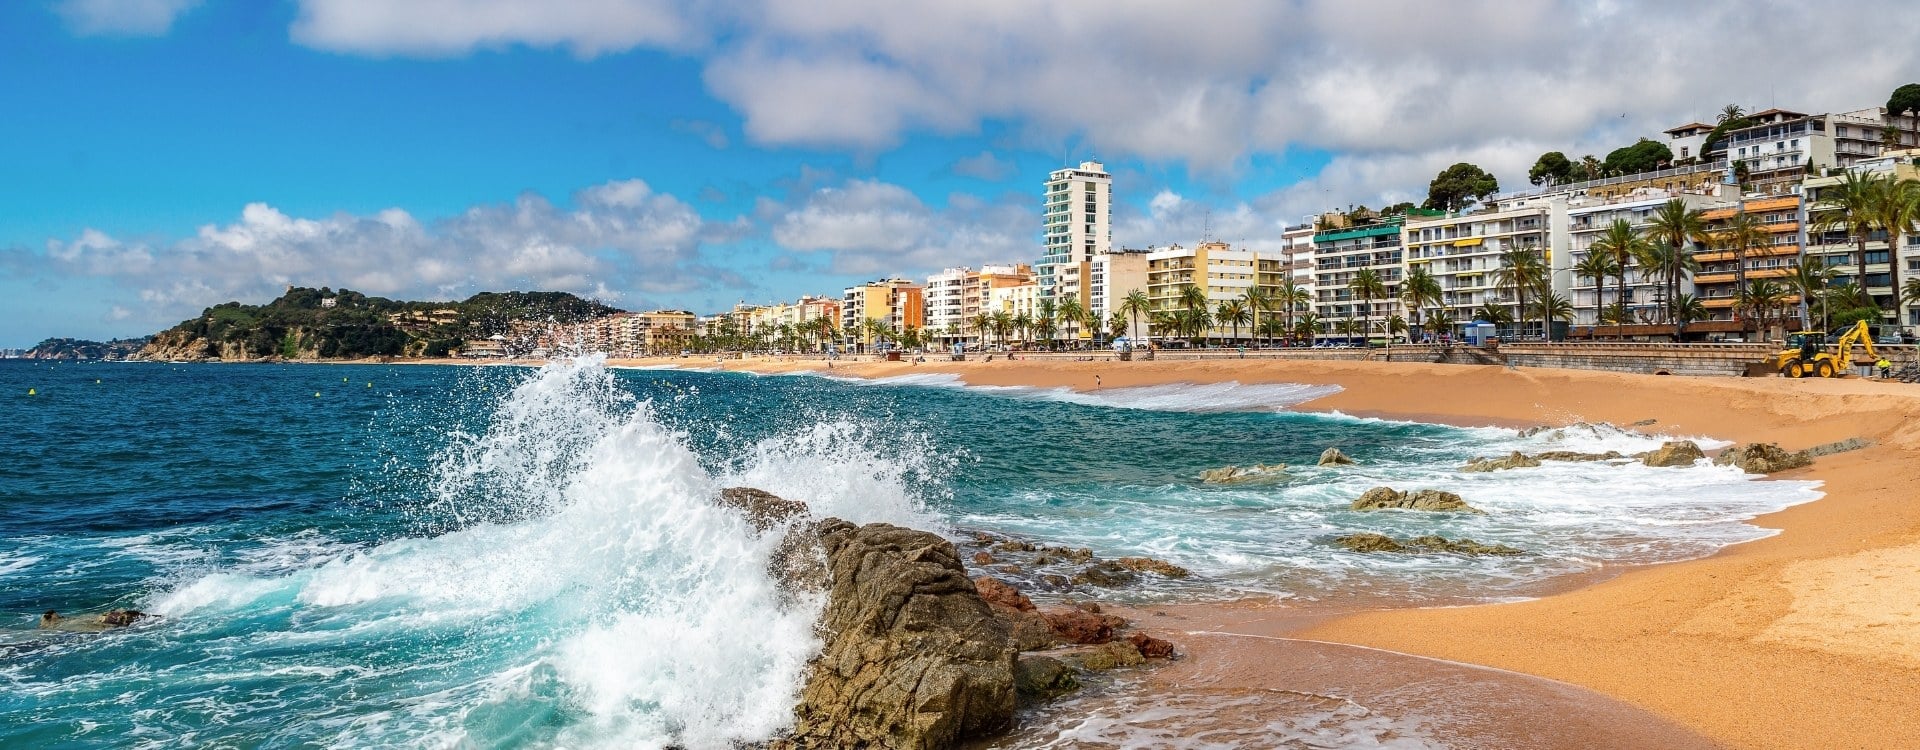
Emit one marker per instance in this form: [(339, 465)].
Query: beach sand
[(1807, 639)]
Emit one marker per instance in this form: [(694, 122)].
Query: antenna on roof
[(1206, 227)]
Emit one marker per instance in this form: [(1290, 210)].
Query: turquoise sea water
[(365, 556)]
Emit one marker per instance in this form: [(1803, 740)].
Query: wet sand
[(1810, 638)]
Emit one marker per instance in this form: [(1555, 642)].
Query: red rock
[(1076, 626), (1001, 594), (982, 558), (1151, 647)]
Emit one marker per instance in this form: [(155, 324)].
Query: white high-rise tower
[(1078, 211)]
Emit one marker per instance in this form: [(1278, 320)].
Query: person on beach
[(1886, 368), (1096, 382)]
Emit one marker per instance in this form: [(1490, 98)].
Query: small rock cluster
[(1057, 569), (1762, 458), (1381, 498), (1244, 475), (1371, 542)]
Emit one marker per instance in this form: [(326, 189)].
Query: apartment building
[(1339, 252), (627, 334), (1588, 218), (1783, 146), (1015, 300), (1222, 272), (1717, 283), (1111, 276), (1885, 268), (1464, 254), (898, 304), (948, 294), (1077, 211)]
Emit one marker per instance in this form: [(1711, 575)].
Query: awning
[(1466, 243)]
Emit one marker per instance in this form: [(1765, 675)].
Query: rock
[(1840, 446), (1056, 580), (1333, 457), (1577, 456), (1070, 554), (119, 618), (1104, 574), (913, 656), (1151, 647), (1075, 626), (1112, 655), (1160, 568), (983, 558), (763, 509), (1042, 678), (1644, 422), (50, 619), (1458, 546), (1515, 460), (1093, 607), (1029, 631), (1238, 475), (1002, 594), (1674, 453), (1369, 542), (1429, 500), (1014, 545), (1761, 458)]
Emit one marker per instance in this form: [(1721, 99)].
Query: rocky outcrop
[(1040, 678), (1838, 446), (1516, 460), (1105, 575), (913, 656), (1674, 453), (1110, 655), (1160, 568), (1370, 542), (1244, 475), (798, 563), (999, 593), (1380, 498), (1762, 458), (1577, 456), (1083, 627), (1333, 457), (1151, 647)]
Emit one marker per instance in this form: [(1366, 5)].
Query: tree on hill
[(1552, 168), (1732, 117), (1905, 100), (1460, 186), (1643, 156)]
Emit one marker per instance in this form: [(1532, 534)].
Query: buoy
[(96, 381), (316, 394), (343, 380), (369, 384), (32, 392)]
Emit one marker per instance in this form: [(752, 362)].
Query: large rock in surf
[(1244, 475), (1515, 460), (914, 657), (1333, 457), (1080, 626), (1380, 498), (1371, 542), (1043, 678), (1674, 453), (1762, 458), (1160, 568), (798, 563), (1577, 456)]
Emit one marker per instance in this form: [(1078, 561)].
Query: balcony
[(1714, 278)]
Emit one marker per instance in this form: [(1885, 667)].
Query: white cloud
[(452, 27), (869, 227), (122, 17), (619, 241), (984, 166)]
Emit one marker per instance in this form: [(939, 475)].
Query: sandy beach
[(1809, 638)]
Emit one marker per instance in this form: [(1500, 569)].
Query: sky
[(161, 156)]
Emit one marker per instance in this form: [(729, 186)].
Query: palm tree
[(1522, 270), (1598, 266), (1306, 326), (1850, 208), (875, 331), (1071, 312), (1762, 296), (1396, 325), (1134, 304), (1731, 112), (1440, 322), (1044, 319), (1233, 312), (1810, 278), (1256, 301), (1680, 227), (1912, 291), (1551, 307), (1687, 309), (1625, 246), (1271, 327), (1291, 298), (851, 333), (1192, 299), (1742, 232), (1895, 207), (1419, 290), (1116, 325), (982, 323), (1366, 284), (1498, 315)]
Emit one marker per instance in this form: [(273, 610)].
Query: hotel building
[(1463, 253), (1885, 269), (898, 304), (1077, 211), (1340, 251)]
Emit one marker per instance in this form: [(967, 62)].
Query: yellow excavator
[(1807, 357)]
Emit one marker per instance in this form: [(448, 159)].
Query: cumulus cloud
[(618, 241), (1162, 82), (122, 17), (868, 227)]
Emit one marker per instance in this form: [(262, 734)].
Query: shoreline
[(1809, 637)]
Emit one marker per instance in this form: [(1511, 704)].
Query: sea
[(504, 556)]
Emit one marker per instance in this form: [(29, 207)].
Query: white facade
[(1077, 216), (1111, 277), (947, 297), (1017, 300), (1463, 254), (1587, 220)]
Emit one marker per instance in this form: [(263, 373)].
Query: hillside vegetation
[(323, 323)]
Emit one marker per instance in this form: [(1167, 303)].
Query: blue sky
[(159, 156)]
